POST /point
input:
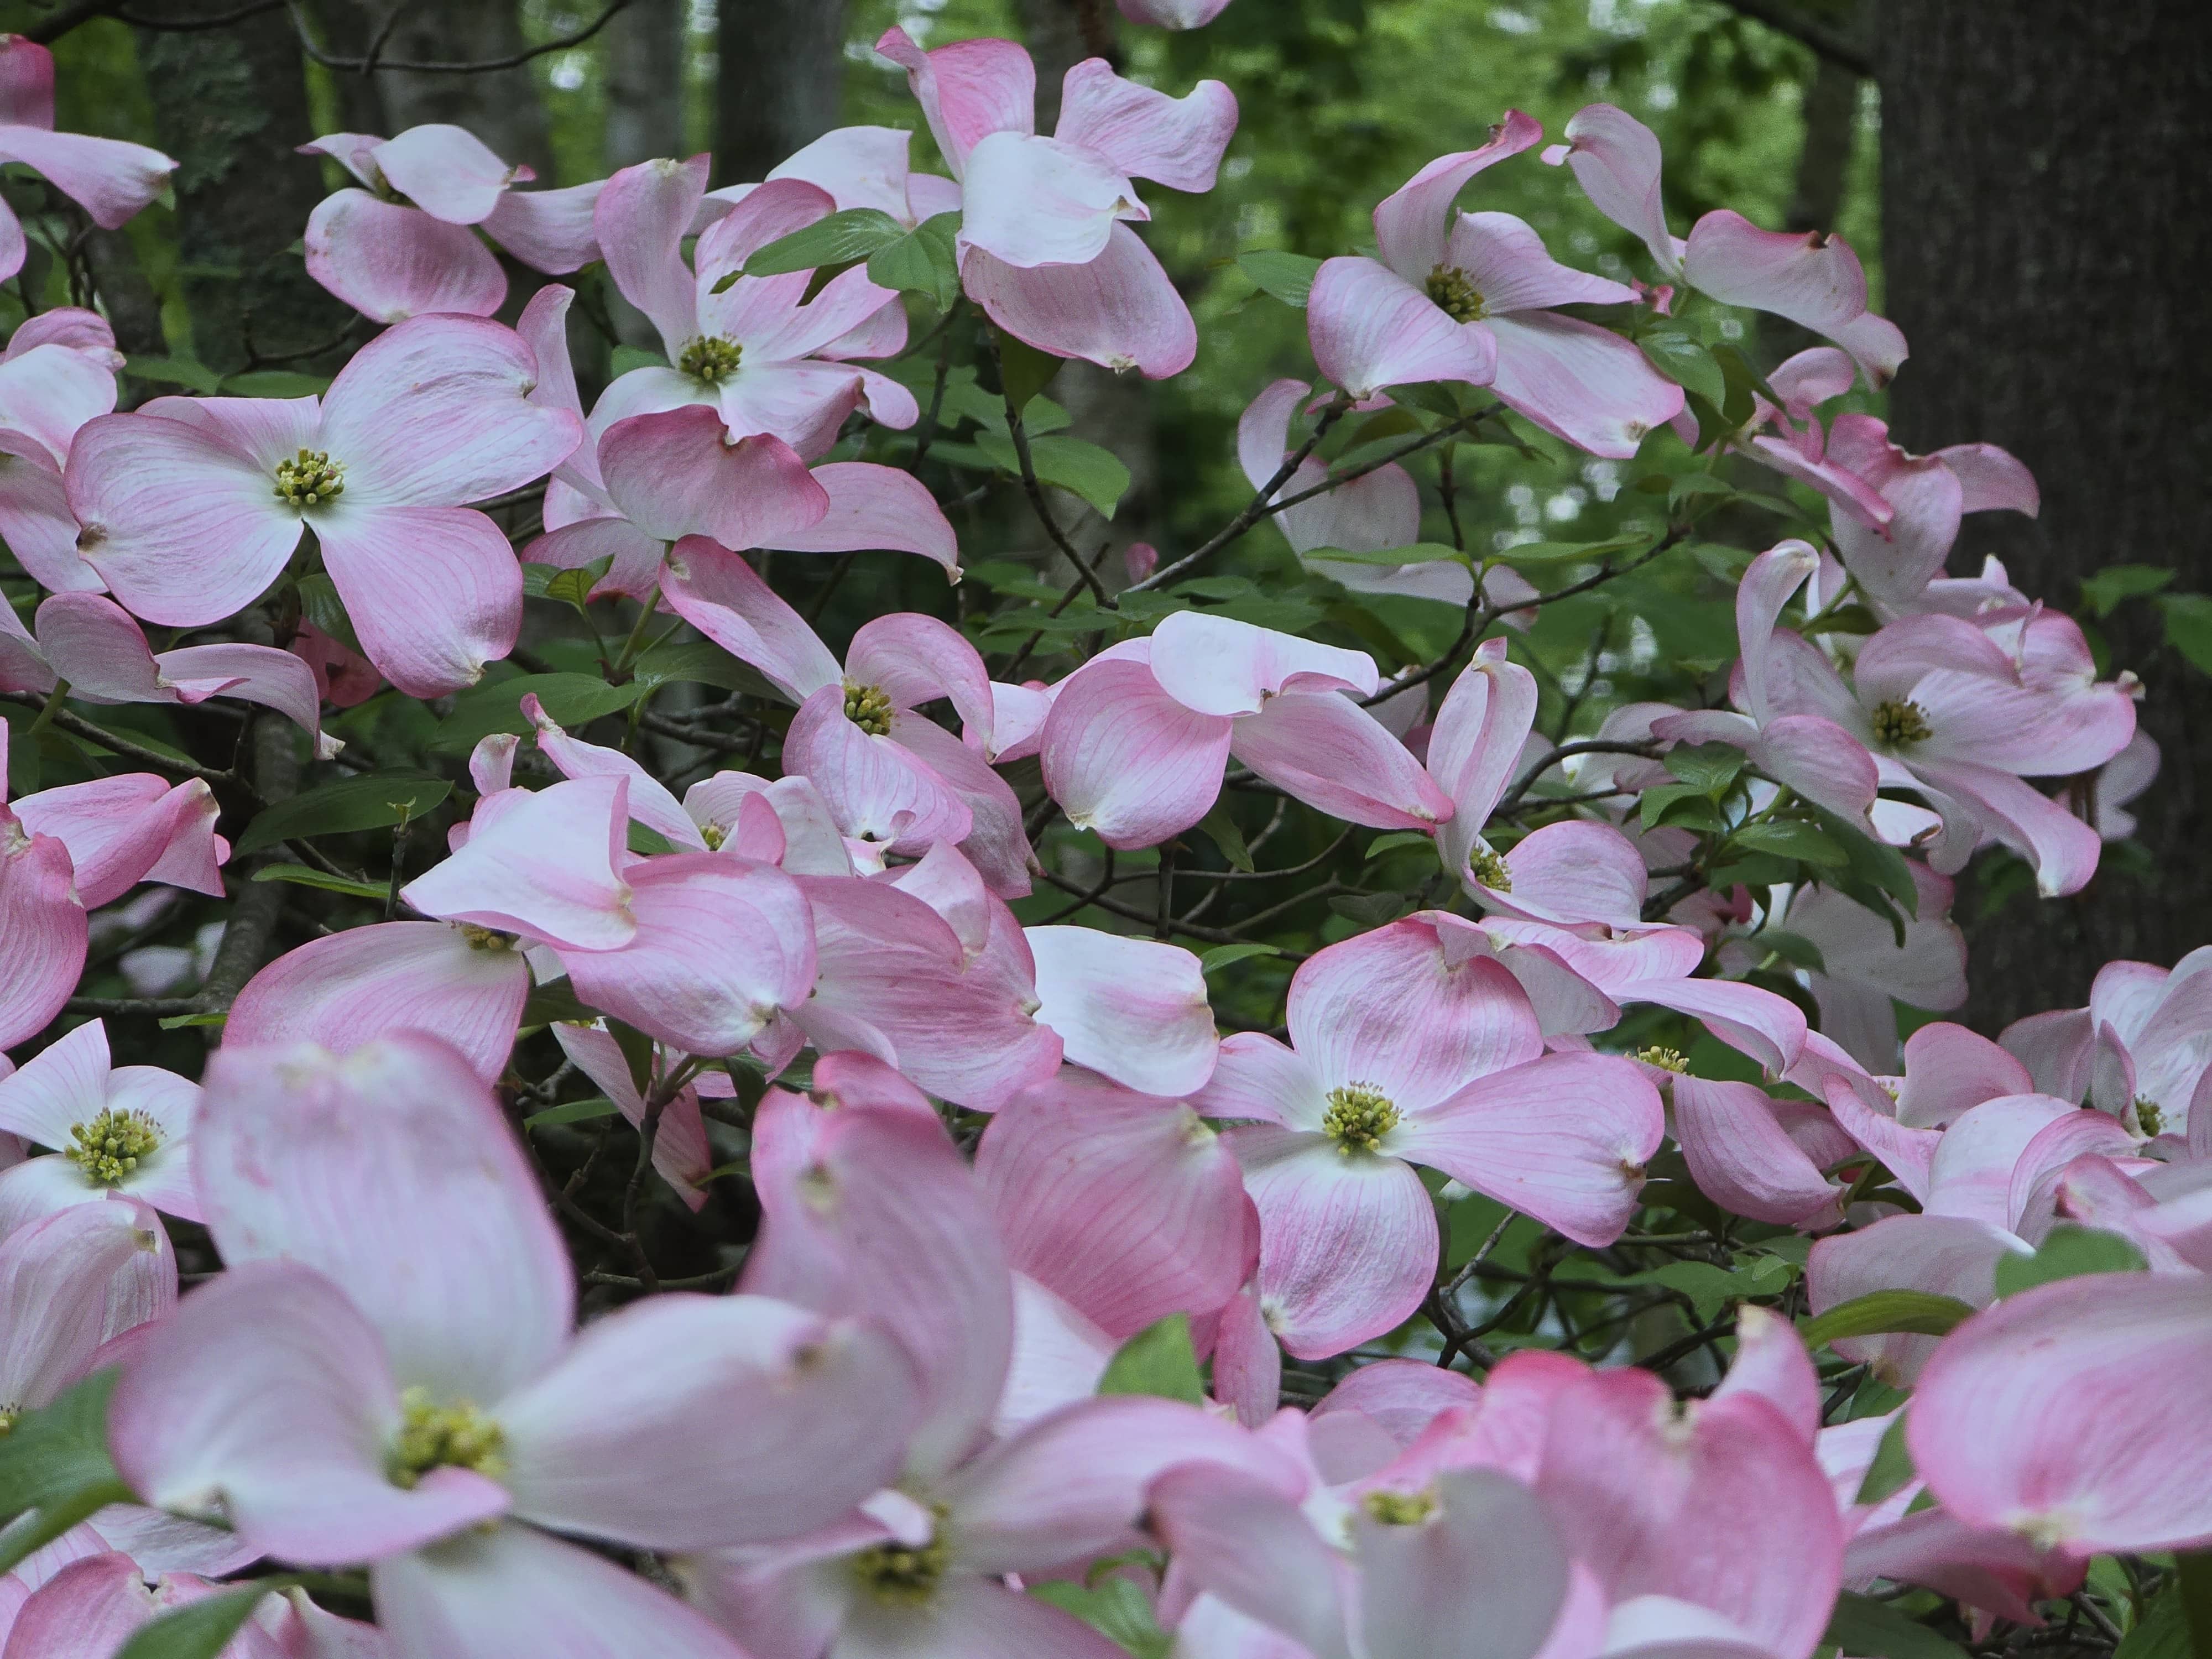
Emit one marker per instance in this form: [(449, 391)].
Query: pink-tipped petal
[(1330, 753), (446, 171), (1371, 328), (390, 262), (1124, 758), (1177, 141), (641, 217), (967, 90), (1118, 310), (1741, 1156), (545, 868), (435, 592), (1412, 223), (548, 230), (1616, 160), (43, 923), (719, 593), (1814, 280), (875, 507), (1581, 382)]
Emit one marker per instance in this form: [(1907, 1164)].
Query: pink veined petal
[(1950, 1069), (63, 1085), (1119, 310), (635, 572), (1328, 752), (36, 522), (1971, 1172), (90, 1608), (2062, 849), (639, 221), (1571, 872), (877, 789), (1474, 748), (690, 1422), (1134, 1009), (875, 507), (1059, 1358), (1488, 1559), (1410, 223), (1812, 279), (255, 673), (435, 592), (1991, 479), (354, 151), (264, 430), (266, 1401), (1768, 585), (996, 843), (861, 166), (1580, 382), (1042, 201), (1263, 430), (1943, 1255), (183, 529), (767, 213), (51, 1276), (43, 923), (1615, 159), (545, 868), (722, 944), (109, 178), (446, 171), (2056, 1047), (649, 802), (1177, 141), (390, 262), (1220, 665), (1771, 1029), (1370, 328), (1506, 261), (803, 401), (1896, 562), (1257, 1077), (1347, 1243), (1565, 1139), (1128, 1208), (121, 831), (1867, 1115), (1402, 1397), (437, 413), (355, 986), (680, 1151), (915, 660), (549, 230), (26, 84), (1124, 758), (398, 1153), (1876, 344), (719, 593), (48, 391), (1771, 1362), (1741, 1156), (1247, 1543), (511, 1592), (93, 643), (2083, 1404), (967, 90)]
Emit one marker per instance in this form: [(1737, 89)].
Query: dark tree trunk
[(645, 83), (2046, 219), (781, 69), (231, 104), (500, 107)]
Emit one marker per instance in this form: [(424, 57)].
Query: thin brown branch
[(479, 66), (1829, 43)]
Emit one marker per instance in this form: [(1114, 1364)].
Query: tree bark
[(2045, 219), (645, 83), (231, 104), (500, 107), (777, 88)]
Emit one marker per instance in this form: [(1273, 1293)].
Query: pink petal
[(35, 520), (1328, 752), (1220, 665), (255, 673), (44, 923), (1402, 1397), (109, 178), (53, 1274), (1247, 1543), (26, 84), (390, 262), (1814, 280), (1896, 562), (351, 986), (635, 572), (1950, 1069), (1174, 14), (1941, 1255), (2074, 1413), (1257, 1077), (1042, 201), (119, 831), (1741, 1156), (1488, 1559), (1145, 133), (718, 593), (916, 660), (1371, 328), (1580, 382), (1506, 261), (967, 90), (1615, 159), (1129, 1209), (1124, 758), (544, 868), (997, 843), (859, 167), (1119, 310), (435, 592), (877, 789), (549, 230), (1771, 1362), (873, 506), (1573, 873), (266, 1400), (446, 171), (639, 221), (1876, 345), (2061, 848), (1411, 223), (49, 392), (1971, 1172), (1868, 1116), (65, 1084), (93, 643), (1134, 1009), (86, 1610), (182, 527), (1565, 1139), (1347, 1243), (383, 1168), (1474, 748), (1755, 1022)]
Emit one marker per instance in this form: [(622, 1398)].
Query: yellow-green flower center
[(906, 1575), (1896, 721), (1358, 1118), (713, 359), (1490, 870), (434, 1437), (486, 939), (1666, 1059), (1461, 300), (869, 708), (9, 1415), (1399, 1509), (310, 479), (108, 1148), (714, 835), (2149, 1118)]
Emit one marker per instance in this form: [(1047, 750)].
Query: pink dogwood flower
[(71, 1281), (2142, 1050), (97, 1602), (193, 506), (404, 245), (109, 178), (1814, 279), (1045, 246), (1402, 1051), (124, 1130), (58, 372), (317, 1400), (1468, 297)]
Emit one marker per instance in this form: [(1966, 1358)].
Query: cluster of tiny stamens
[(486, 939), (712, 359), (2149, 1118), (1490, 870), (714, 835), (1666, 1059), (309, 478), (1399, 1509), (905, 1574), (434, 1437), (1896, 721), (869, 708), (1460, 299), (1358, 1118), (9, 1413), (108, 1148)]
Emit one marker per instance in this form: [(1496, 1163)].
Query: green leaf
[(1712, 767), (55, 1469), (1074, 464), (496, 706), (571, 586), (320, 605), (1416, 553), (1116, 1610), (2103, 592), (1789, 838), (1920, 1313), (374, 802), (1392, 842), (628, 357), (175, 371), (700, 662), (1874, 863), (300, 875), (1220, 828), (2162, 1632), (1661, 798), (1559, 552), (573, 1111), (2193, 1585), (921, 262), (1158, 1360), (1222, 955), (1288, 276), (1023, 371), (178, 1021), (2068, 1251), (1793, 948), (839, 239), (2189, 626), (1686, 363), (199, 1630), (276, 383), (1868, 1629), (1891, 1468)]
